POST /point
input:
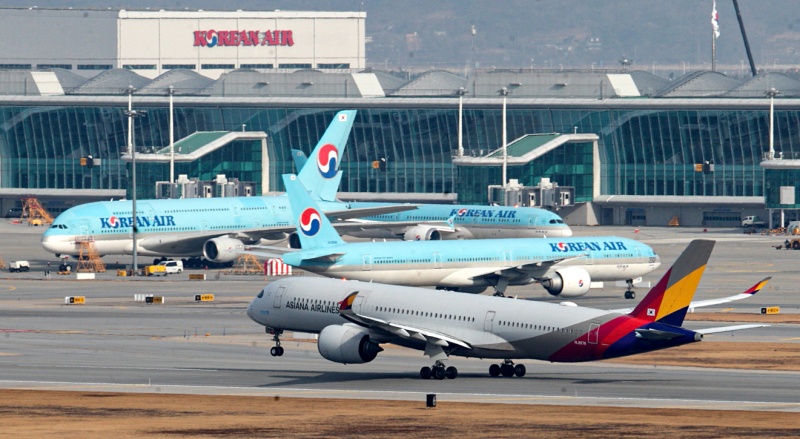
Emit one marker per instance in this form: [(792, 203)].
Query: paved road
[(114, 343)]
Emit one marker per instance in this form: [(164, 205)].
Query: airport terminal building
[(153, 42), (636, 148)]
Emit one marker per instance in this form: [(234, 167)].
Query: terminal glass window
[(294, 66), (217, 66), (139, 66), (256, 66), (54, 66), (333, 66), (94, 67), (179, 66)]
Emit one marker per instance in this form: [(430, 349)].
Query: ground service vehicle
[(18, 266), (155, 270), (173, 267), (752, 221)]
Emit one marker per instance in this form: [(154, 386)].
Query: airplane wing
[(187, 243), (727, 328), (361, 212), (397, 227), (403, 331), (701, 303)]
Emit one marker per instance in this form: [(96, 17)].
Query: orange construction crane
[(36, 214)]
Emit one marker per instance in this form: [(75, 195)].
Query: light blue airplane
[(433, 222), (219, 228), (564, 266)]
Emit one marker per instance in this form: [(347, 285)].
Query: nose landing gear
[(277, 350), (630, 294)]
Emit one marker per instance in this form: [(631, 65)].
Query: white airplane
[(354, 318), (565, 266)]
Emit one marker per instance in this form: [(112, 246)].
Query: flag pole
[(713, 51), (714, 34)]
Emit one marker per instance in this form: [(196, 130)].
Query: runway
[(112, 343)]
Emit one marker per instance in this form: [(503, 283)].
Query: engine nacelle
[(347, 345), (568, 282), (222, 249), (422, 233)]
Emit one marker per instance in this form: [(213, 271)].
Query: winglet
[(313, 227), (320, 172), (758, 287), (668, 301)]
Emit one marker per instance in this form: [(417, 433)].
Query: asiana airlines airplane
[(218, 228), (353, 319)]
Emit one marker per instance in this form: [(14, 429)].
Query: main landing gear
[(507, 369), (438, 371), (277, 350), (630, 294)]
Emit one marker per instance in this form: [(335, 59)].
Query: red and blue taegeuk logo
[(327, 159), (310, 221)]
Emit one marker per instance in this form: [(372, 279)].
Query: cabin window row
[(534, 327), (425, 314)]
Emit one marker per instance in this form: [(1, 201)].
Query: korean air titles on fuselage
[(564, 247), (114, 222), (484, 213)]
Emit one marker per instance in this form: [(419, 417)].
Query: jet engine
[(222, 249), (568, 282), (347, 344), (422, 233)]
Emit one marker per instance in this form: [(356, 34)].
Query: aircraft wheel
[(451, 373), (274, 351), (507, 370), (280, 351), (439, 373), (494, 370), (632, 295), (425, 373), (519, 370)]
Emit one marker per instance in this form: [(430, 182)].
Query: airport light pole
[(461, 92), (504, 93), (772, 92), (171, 91), (131, 114)]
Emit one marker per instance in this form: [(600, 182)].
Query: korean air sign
[(214, 38), (565, 247), (115, 222)]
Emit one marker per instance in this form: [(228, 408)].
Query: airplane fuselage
[(177, 227), (495, 327), (470, 263), (472, 222)]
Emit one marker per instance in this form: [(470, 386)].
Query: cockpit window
[(58, 226), (260, 295), (556, 221)]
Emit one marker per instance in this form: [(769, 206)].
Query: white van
[(173, 267), (18, 266)]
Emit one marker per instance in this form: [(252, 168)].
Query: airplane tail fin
[(319, 173), (668, 301), (313, 227)]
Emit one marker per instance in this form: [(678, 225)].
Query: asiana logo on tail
[(564, 247), (115, 222)]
